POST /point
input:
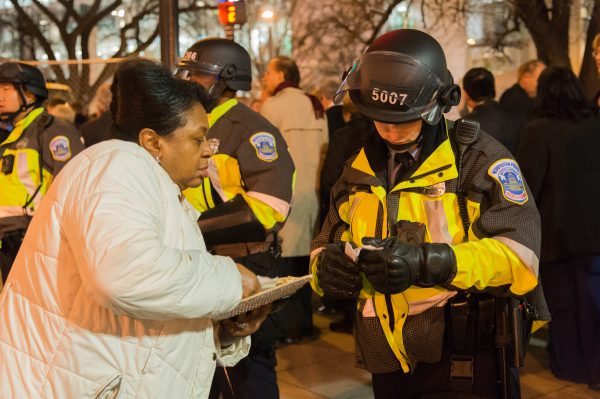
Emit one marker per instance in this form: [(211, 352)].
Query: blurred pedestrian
[(479, 89), (301, 120), (113, 291), (35, 150), (334, 112), (98, 127), (60, 107), (518, 100), (559, 159)]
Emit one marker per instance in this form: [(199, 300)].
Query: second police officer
[(246, 198), (33, 150), (427, 214)]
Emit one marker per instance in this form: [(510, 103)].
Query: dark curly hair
[(560, 95), (146, 95)]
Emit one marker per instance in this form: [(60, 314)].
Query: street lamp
[(267, 15)]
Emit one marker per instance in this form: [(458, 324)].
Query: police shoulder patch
[(60, 147), (264, 144), (507, 172)]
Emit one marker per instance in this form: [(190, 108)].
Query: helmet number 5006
[(384, 96)]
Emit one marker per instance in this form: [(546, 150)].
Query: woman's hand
[(244, 324), (250, 284)]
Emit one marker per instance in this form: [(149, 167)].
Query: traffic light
[(232, 13)]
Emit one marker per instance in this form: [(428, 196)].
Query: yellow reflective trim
[(362, 163), (22, 125), (19, 186), (198, 197), (210, 201), (395, 339), (220, 110), (314, 282), (442, 157), (489, 262), (265, 214)]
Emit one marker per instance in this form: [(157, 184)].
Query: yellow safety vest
[(22, 188)]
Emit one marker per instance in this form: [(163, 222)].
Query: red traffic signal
[(232, 13)]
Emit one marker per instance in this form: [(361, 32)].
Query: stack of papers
[(272, 290)]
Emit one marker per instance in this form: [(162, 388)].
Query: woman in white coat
[(112, 292)]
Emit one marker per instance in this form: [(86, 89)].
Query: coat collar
[(436, 161)]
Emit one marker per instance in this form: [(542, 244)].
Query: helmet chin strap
[(214, 93), (10, 116), (405, 146)]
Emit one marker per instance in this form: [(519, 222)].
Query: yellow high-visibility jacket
[(33, 153), (502, 246)]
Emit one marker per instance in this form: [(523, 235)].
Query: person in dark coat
[(99, 127), (559, 158), (334, 112), (479, 90), (518, 100)]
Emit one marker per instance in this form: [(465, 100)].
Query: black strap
[(45, 122), (464, 132)]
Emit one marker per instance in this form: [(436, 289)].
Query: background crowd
[(544, 120)]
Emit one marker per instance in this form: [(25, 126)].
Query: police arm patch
[(265, 146), (507, 172), (60, 148)]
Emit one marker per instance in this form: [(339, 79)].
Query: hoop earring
[(157, 158)]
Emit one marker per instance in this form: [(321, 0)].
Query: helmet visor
[(393, 88), (185, 67)]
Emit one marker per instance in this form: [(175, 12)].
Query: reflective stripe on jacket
[(502, 248), (253, 161)]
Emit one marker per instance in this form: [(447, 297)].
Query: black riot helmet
[(402, 77), (226, 60), (23, 76)]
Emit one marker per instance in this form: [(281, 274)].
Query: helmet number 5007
[(384, 96)]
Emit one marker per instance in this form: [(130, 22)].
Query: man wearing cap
[(431, 230), (34, 151)]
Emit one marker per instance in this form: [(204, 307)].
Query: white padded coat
[(112, 291)]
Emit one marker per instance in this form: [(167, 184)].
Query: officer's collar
[(220, 110), (375, 146)]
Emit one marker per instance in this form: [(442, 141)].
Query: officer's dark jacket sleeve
[(61, 141), (253, 161)]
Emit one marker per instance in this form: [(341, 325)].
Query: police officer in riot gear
[(246, 198), (429, 220), (33, 149)]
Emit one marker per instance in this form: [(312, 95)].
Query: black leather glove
[(338, 275), (399, 265)]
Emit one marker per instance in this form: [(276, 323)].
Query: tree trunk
[(548, 27)]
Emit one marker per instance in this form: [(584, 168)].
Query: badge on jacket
[(264, 144), (508, 174), (60, 148)]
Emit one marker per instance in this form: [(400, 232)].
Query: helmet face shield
[(186, 67), (393, 88)]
